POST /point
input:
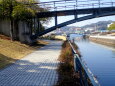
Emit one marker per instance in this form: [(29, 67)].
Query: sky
[(82, 23)]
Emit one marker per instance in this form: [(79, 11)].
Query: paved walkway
[(36, 69)]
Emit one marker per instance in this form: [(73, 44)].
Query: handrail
[(85, 73), (73, 4), (76, 4)]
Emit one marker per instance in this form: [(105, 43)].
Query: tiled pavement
[(36, 69)]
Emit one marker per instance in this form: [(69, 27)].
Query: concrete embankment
[(107, 40)]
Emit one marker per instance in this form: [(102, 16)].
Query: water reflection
[(113, 54), (99, 58)]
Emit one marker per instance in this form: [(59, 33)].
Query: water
[(100, 59)]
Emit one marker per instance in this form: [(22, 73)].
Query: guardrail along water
[(86, 76), (100, 59)]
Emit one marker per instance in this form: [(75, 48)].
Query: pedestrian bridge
[(88, 9)]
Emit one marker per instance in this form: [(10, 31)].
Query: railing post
[(65, 4), (77, 68), (112, 4), (75, 63), (75, 14), (54, 7), (99, 3), (76, 4)]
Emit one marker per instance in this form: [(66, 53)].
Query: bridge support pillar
[(75, 14), (56, 21), (38, 30)]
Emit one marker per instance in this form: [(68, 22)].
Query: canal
[(99, 58)]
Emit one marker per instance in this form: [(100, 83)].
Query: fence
[(86, 76)]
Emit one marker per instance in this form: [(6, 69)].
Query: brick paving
[(36, 69)]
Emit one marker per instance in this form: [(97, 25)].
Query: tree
[(20, 10), (6, 12), (112, 26)]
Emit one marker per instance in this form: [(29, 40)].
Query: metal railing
[(75, 4), (87, 78)]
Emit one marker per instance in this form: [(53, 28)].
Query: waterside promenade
[(106, 39), (36, 69)]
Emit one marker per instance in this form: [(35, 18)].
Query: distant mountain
[(69, 29), (101, 25)]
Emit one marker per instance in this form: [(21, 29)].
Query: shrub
[(67, 75)]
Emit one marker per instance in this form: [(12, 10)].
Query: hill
[(101, 25), (68, 29)]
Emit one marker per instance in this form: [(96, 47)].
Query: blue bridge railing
[(75, 4), (87, 78)]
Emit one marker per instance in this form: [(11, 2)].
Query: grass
[(4, 60), (10, 51), (67, 75)]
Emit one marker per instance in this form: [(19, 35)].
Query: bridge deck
[(36, 69), (75, 12)]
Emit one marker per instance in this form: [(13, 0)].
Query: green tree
[(6, 12), (6, 7), (112, 26), (20, 10)]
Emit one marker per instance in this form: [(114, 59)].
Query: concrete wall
[(5, 27), (21, 31), (24, 32), (103, 40)]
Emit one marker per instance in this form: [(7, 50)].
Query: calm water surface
[(100, 59)]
